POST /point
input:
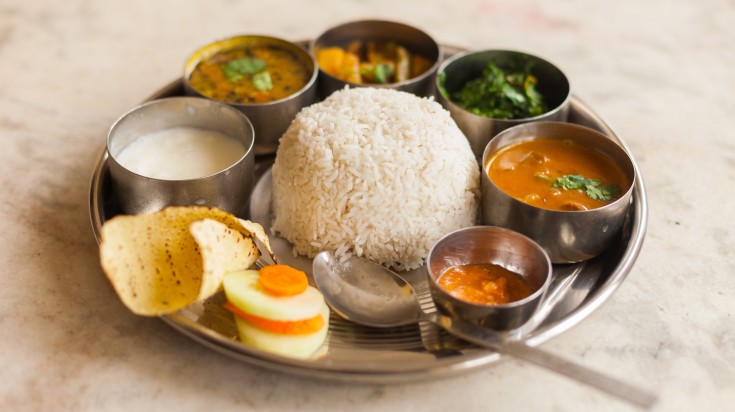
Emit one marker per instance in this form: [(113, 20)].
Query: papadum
[(161, 262)]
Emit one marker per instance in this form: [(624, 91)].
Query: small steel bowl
[(456, 71), (415, 40), (487, 244), (271, 119), (228, 189), (567, 236)]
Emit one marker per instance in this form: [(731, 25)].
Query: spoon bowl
[(365, 292)]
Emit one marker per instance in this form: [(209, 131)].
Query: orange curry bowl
[(488, 275), (566, 186)]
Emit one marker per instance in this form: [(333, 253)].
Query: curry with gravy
[(557, 174)]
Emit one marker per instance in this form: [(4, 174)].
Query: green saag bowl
[(489, 91)]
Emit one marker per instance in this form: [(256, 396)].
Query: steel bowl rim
[(248, 148)]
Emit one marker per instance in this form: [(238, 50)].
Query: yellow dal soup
[(250, 75)]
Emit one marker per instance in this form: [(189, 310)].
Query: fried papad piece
[(259, 233), (157, 266), (222, 250)]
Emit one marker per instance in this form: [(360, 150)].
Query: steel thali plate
[(410, 353)]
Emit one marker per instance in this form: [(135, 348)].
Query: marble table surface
[(660, 72)]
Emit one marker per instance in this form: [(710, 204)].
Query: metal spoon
[(372, 295)]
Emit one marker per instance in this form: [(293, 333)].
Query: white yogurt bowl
[(182, 151)]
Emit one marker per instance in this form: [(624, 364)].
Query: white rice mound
[(375, 172)]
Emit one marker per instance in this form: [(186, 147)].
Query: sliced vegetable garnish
[(282, 280), (298, 327)]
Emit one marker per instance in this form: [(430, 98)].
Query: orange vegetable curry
[(557, 175), (485, 284), (372, 63), (252, 74)]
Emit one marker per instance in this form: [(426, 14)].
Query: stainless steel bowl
[(270, 120), (487, 244), (456, 71), (228, 189), (567, 236), (412, 38)]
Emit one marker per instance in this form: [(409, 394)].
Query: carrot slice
[(297, 327), (282, 280)]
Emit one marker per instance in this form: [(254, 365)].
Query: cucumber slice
[(297, 346), (243, 291)]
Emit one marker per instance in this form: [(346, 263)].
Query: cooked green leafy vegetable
[(237, 68), (590, 186), (501, 94)]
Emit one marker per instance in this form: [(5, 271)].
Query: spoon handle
[(490, 339)]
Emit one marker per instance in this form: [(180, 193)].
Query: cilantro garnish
[(590, 186), (236, 69), (262, 81)]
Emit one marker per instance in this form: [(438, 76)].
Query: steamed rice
[(375, 172)]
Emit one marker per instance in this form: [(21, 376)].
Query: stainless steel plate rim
[(391, 371)]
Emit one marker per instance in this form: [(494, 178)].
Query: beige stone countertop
[(660, 72)]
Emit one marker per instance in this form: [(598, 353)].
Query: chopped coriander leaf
[(607, 192), (574, 182), (235, 69), (231, 75), (262, 81), (591, 187)]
